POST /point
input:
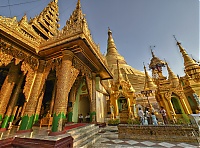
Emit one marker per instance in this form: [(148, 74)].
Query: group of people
[(87, 118), (148, 117)]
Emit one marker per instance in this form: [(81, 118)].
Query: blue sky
[(136, 25)]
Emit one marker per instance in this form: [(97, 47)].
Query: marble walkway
[(109, 139)]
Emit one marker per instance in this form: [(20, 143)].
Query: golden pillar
[(7, 88), (8, 117), (93, 99), (31, 105), (171, 108), (185, 107), (66, 75)]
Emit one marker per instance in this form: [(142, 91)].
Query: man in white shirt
[(141, 116)]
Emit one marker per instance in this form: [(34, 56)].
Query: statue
[(124, 105), (112, 111)]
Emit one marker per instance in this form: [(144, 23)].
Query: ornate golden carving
[(83, 69), (8, 52), (7, 87), (89, 87), (66, 75), (11, 25)]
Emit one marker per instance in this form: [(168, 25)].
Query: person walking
[(164, 115), (141, 116), (154, 120)]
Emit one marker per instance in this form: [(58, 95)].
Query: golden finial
[(144, 65), (78, 5), (176, 40), (152, 51), (109, 31)]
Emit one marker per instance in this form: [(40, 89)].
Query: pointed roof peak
[(171, 76), (177, 42), (152, 51), (188, 61), (109, 31), (112, 54), (78, 4), (156, 62), (148, 80), (144, 67)]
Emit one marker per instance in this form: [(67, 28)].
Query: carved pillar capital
[(67, 55)]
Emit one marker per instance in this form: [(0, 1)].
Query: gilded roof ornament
[(149, 84), (112, 54), (156, 63), (171, 76), (48, 18), (188, 61)]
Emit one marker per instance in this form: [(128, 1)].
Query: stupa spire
[(149, 84), (152, 51), (189, 63), (113, 55), (171, 76)]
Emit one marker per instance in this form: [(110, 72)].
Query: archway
[(123, 109), (122, 104), (84, 105), (177, 105)]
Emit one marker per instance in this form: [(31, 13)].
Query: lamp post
[(146, 93)]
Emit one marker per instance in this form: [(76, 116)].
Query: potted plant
[(113, 122), (133, 121)]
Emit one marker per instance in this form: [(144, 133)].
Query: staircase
[(85, 136)]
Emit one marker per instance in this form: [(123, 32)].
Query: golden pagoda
[(125, 87), (170, 92), (191, 81)]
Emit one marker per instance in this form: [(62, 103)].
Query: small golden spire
[(148, 81), (112, 54), (171, 76), (152, 51), (78, 5), (188, 61)]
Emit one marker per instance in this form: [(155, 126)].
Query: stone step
[(84, 135), (89, 141), (84, 131), (73, 131)]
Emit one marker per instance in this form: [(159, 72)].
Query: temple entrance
[(177, 105), (84, 106), (48, 90), (123, 109)]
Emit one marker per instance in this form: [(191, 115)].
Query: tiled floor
[(110, 139)]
